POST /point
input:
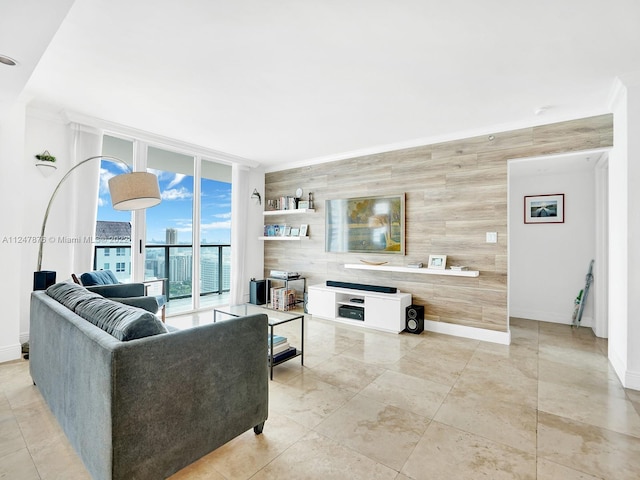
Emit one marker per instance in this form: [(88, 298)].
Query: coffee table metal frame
[(249, 308)]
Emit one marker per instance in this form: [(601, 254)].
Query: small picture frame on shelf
[(437, 262), (303, 229), (270, 231), (295, 232), (286, 231), (303, 204)]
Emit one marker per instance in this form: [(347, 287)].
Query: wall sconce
[(256, 195)]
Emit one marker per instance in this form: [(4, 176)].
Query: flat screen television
[(365, 224)]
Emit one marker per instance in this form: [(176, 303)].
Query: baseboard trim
[(632, 380), (618, 366), (549, 317), (474, 333), (10, 352)]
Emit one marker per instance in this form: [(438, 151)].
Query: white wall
[(12, 187), (254, 261), (548, 262), (45, 133)]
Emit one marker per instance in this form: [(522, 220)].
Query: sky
[(175, 210)]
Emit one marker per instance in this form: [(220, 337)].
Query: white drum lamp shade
[(134, 191)]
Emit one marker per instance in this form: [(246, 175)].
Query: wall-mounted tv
[(365, 224)]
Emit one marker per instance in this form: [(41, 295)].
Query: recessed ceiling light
[(7, 61)]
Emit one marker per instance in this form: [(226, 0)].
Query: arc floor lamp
[(129, 191)]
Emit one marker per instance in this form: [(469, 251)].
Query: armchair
[(105, 283)]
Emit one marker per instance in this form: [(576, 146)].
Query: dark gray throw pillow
[(121, 321), (70, 294)]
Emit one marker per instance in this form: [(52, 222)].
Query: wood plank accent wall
[(455, 192)]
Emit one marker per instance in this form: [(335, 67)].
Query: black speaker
[(43, 279), (257, 292), (415, 319)]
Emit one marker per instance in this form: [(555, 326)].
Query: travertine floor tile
[(505, 378), (348, 373), (434, 361), (316, 457), (586, 448), (11, 439), (446, 453), (307, 400), (18, 465), (245, 455), (422, 397), (379, 349), (501, 421), (382, 432), (548, 470), (603, 407)]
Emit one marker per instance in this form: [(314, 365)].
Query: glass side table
[(276, 317)]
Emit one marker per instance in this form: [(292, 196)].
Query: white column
[(624, 233)]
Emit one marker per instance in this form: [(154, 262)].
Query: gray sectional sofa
[(141, 402)]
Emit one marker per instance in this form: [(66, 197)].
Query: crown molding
[(432, 140), (159, 140)]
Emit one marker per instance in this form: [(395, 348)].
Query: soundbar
[(362, 286)]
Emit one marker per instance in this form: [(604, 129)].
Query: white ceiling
[(288, 82)]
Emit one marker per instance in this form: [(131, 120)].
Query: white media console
[(382, 311)]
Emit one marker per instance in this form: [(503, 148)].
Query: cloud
[(176, 194), (176, 180), (216, 226), (105, 176)]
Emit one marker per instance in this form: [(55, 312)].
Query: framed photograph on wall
[(437, 262), (544, 208)]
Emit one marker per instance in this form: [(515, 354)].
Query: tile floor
[(370, 405)]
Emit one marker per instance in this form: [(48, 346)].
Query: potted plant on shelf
[(46, 163)]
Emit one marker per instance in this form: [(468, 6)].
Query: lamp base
[(43, 279)]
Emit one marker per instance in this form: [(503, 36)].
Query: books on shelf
[(278, 339), (283, 298), (280, 344), (288, 353), (280, 348)]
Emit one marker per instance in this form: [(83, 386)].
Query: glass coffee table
[(276, 317)]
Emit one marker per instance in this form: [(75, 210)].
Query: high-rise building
[(171, 236)]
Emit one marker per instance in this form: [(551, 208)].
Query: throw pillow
[(123, 322)]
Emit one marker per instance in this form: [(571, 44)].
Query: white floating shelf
[(295, 239), (266, 213), (424, 271)]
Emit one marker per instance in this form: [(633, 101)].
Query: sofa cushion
[(123, 322), (70, 294), (98, 277)]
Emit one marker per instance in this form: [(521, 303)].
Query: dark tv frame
[(373, 224)]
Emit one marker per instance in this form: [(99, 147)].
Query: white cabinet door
[(322, 303), (383, 313)]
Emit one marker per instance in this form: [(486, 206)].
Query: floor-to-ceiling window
[(195, 210), (215, 228), (169, 226), (113, 228)]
